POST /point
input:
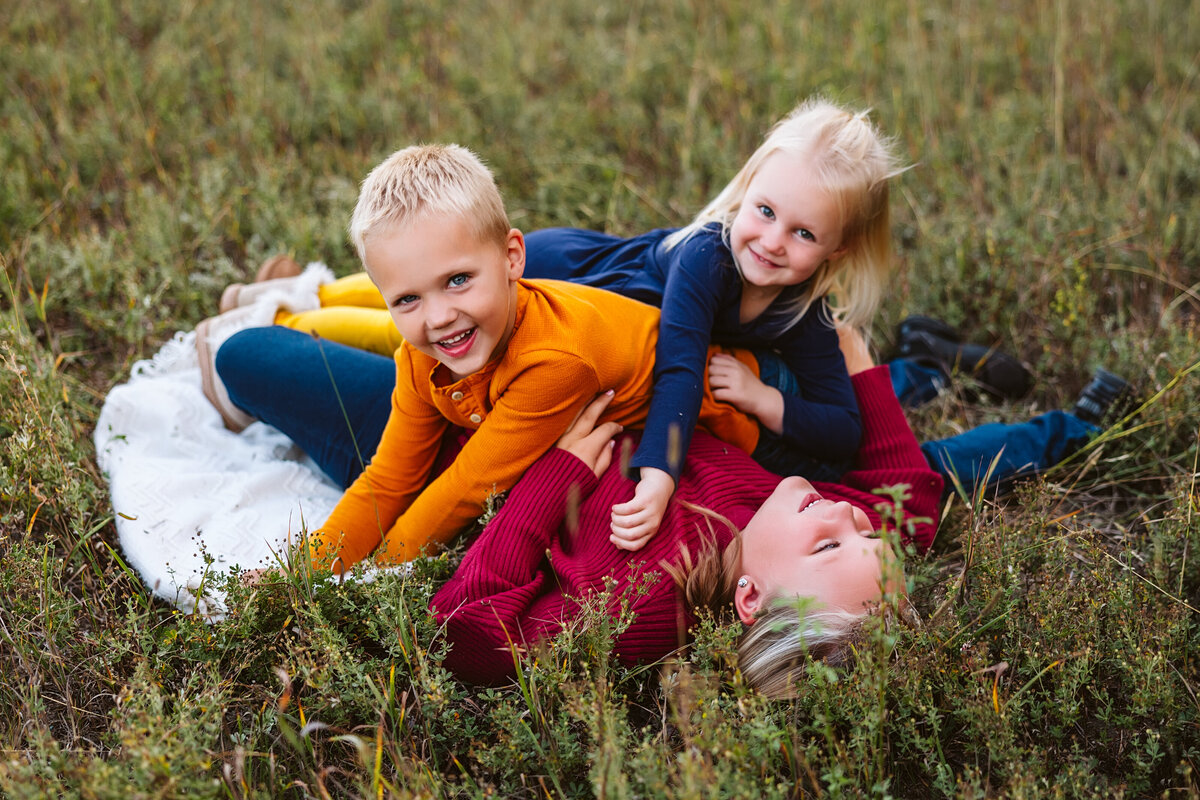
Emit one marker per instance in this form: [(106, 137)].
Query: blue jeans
[(330, 399), (915, 384), (1024, 448)]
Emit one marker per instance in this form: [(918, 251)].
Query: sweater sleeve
[(399, 469), (485, 604), (689, 309), (890, 455), (532, 410), (823, 420)]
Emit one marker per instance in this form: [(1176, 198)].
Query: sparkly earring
[(743, 583)]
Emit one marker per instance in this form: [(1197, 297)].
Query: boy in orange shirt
[(513, 361)]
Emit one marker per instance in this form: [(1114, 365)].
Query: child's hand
[(854, 349), (591, 444), (633, 523), (250, 577), (734, 383)]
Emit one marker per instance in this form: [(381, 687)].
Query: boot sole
[(234, 418)]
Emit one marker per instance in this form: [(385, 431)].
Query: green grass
[(152, 153)]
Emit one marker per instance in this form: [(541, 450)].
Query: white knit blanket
[(190, 498)]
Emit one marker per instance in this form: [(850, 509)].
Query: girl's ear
[(747, 600)]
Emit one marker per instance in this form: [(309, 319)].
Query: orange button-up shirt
[(568, 344)]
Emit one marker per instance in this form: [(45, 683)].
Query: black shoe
[(1105, 397), (997, 373), (917, 323)]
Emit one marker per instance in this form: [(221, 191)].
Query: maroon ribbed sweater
[(517, 581)]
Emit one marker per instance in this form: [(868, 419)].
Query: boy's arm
[(395, 476), (531, 413)]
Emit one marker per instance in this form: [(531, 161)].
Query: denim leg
[(773, 451), (1025, 447), (331, 400), (915, 384)]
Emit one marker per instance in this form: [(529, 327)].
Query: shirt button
[(456, 396), (476, 419)]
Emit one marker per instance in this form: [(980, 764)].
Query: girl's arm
[(822, 419), (689, 309), (735, 383)]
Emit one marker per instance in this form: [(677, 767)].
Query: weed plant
[(152, 153)]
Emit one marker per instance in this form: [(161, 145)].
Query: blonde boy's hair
[(429, 179), (853, 162)]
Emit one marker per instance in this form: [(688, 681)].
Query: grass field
[(151, 153)]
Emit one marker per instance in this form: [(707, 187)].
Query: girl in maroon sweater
[(549, 546)]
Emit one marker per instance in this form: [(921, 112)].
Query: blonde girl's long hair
[(707, 580), (853, 162)]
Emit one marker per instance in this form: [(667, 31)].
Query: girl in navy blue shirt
[(798, 239)]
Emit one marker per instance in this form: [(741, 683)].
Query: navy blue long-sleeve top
[(699, 291)]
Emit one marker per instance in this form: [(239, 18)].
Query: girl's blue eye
[(767, 212), (829, 546), (406, 300), (805, 233), (459, 279)]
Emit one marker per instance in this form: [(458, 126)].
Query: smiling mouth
[(458, 342), (763, 260), (808, 502)]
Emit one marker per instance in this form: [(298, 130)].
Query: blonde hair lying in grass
[(791, 632)]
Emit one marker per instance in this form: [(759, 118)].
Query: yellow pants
[(352, 313)]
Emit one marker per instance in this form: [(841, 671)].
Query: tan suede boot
[(271, 275)]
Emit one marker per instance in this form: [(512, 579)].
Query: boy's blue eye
[(459, 279), (405, 300)]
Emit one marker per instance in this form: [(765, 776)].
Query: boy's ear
[(515, 254)]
